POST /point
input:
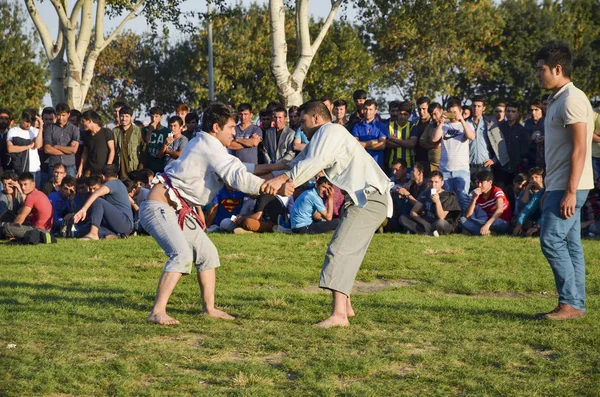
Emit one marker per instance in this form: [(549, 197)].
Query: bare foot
[(216, 313), (335, 320), (111, 236), (349, 309), (88, 237), (162, 319)]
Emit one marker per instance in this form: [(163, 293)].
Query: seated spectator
[(62, 201), (227, 203), (513, 191), (405, 195), (264, 218), (109, 208), (436, 210), (488, 210), (53, 185), (175, 141), (11, 197), (82, 193), (36, 212), (591, 212), (309, 214), (94, 182), (529, 204)]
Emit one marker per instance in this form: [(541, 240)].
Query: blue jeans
[(596, 168), (561, 244), (459, 182), (474, 225), (109, 219)]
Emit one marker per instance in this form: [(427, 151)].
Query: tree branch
[(62, 13), (132, 14), (278, 44), (85, 31), (302, 28), (99, 37), (42, 29), (75, 11), (335, 5)]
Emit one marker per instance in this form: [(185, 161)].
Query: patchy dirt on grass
[(363, 287), (503, 294)]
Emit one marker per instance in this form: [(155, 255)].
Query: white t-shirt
[(568, 106), (455, 148), (31, 133)]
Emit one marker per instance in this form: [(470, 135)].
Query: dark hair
[(94, 180), (433, 106), (359, 94), (92, 116), (155, 110), (423, 99), (556, 53), (280, 109), (75, 113), (119, 104), (500, 105), (316, 107), (484, 175), (216, 113), (453, 101), (395, 104), (129, 185), (81, 181), (478, 98), (126, 110), (340, 102), (28, 115), (419, 166), (175, 119), (436, 173), (327, 97), (535, 171), (271, 106), (243, 107), (405, 107), (9, 175), (513, 104), (62, 108), (265, 113), (59, 165), (466, 107), (323, 179), (49, 110), (110, 171), (519, 178), (402, 162), (26, 176), (139, 123), (536, 103), (192, 116), (11, 117), (545, 97), (370, 102), (68, 181), (293, 109)]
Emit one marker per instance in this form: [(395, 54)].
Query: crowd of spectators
[(454, 168)]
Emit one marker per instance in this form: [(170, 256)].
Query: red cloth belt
[(186, 209)]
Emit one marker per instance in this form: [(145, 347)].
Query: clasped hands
[(281, 185)]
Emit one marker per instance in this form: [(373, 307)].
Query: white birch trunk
[(289, 84)]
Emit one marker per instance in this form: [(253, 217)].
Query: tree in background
[(23, 78)]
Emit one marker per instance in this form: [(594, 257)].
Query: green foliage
[(463, 325), (23, 78)]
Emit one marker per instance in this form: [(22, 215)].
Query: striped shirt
[(401, 132), (488, 203)]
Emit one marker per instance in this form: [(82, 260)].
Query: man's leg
[(207, 281), (500, 226), (346, 252), (323, 226), (443, 226), (258, 226), (106, 219), (473, 226), (161, 222), (71, 170), (15, 230), (576, 250)]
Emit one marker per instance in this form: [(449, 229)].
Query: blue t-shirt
[(119, 197), (300, 134), (230, 203), (371, 131), (60, 207), (304, 208)]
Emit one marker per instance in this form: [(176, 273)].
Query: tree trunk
[(75, 98), (57, 80), (291, 97)]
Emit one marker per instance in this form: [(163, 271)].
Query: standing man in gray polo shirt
[(569, 126), (247, 136), (61, 141)]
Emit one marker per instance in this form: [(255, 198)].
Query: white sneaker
[(241, 230), (436, 234), (281, 229)]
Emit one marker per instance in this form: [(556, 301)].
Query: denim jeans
[(474, 225), (561, 244), (596, 167), (459, 182)]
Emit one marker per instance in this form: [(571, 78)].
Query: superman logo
[(230, 204)]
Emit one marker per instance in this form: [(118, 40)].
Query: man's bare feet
[(216, 313), (335, 320), (88, 237), (111, 236), (162, 319), (349, 309)]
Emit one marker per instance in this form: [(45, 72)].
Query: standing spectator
[(489, 210), (466, 112), (109, 208), (248, 136), (6, 122), (59, 171), (75, 118), (422, 152), (23, 142), (116, 108), (328, 102), (309, 214), (36, 212), (488, 147), (455, 134), (175, 142), (300, 139), (596, 144), (569, 177), (436, 211), (155, 136), (49, 115), (192, 120), (279, 140), (182, 111), (370, 133), (11, 197), (129, 144), (98, 145), (434, 149), (535, 125), (517, 142), (500, 112), (340, 108), (359, 97), (61, 140), (400, 141)]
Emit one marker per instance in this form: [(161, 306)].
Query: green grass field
[(448, 316)]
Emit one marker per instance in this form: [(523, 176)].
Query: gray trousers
[(183, 247), (350, 242)]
